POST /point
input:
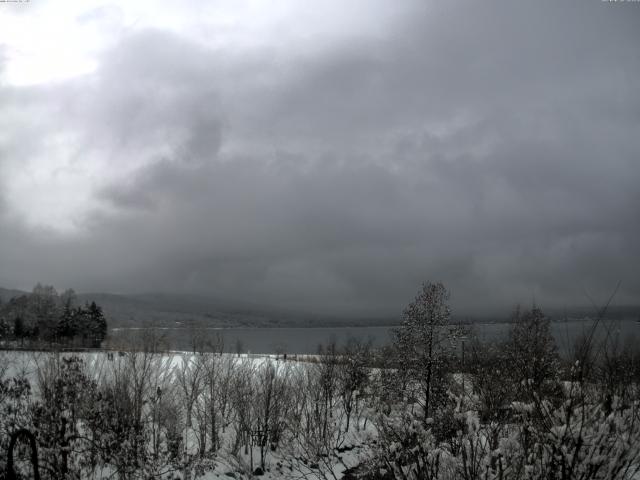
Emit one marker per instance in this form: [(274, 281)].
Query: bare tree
[(189, 374), (425, 343), (353, 376), (533, 358)]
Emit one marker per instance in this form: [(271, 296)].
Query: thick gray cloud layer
[(493, 146)]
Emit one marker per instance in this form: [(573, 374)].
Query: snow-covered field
[(214, 416), (183, 377)]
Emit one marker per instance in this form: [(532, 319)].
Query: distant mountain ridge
[(7, 294), (185, 310)]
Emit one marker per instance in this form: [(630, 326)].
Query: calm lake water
[(306, 340)]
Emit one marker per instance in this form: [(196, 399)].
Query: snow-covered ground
[(352, 447)]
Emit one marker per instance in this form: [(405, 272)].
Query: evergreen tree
[(67, 327), (97, 324), (19, 329)]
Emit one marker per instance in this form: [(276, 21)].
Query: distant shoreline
[(347, 326)]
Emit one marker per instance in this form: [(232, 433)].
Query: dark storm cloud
[(491, 146)]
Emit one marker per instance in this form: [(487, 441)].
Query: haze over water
[(305, 340)]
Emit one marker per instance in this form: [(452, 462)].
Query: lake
[(303, 340)]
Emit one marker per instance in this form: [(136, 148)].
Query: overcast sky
[(327, 156)]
